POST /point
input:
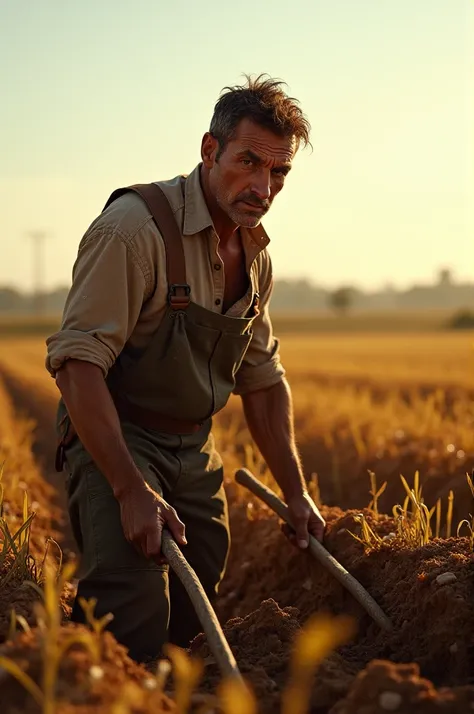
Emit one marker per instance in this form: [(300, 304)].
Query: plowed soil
[(429, 619), (433, 623), (424, 665), (79, 691)]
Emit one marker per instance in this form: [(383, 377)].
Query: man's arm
[(95, 419), (267, 403), (112, 277), (269, 415)]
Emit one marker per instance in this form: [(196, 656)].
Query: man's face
[(250, 172)]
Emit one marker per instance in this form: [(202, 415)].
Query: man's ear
[(209, 149)]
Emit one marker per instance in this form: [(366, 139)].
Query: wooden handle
[(245, 478), (204, 610)]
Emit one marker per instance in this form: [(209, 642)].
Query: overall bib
[(165, 397)]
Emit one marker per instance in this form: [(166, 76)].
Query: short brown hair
[(263, 101)]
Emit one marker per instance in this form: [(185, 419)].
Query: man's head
[(255, 132)]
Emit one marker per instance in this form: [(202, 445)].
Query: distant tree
[(462, 320), (341, 300), (10, 299)]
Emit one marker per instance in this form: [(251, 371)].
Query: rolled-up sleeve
[(261, 367), (104, 302)]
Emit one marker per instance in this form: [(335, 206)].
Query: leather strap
[(159, 207), (178, 299)]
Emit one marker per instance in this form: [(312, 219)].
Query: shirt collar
[(196, 212), (197, 216)]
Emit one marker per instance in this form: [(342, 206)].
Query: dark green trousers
[(149, 604)]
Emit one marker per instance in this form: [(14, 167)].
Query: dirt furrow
[(33, 403)]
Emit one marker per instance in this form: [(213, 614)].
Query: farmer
[(153, 341)]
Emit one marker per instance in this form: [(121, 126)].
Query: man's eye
[(247, 162)]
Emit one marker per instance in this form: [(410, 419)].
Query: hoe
[(204, 610)]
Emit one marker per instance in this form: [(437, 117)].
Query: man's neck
[(225, 228)]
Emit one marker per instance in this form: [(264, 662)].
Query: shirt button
[(217, 266), (218, 301)]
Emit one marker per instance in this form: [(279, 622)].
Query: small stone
[(446, 578), (390, 536), (162, 671), (390, 701), (308, 584), (453, 648), (96, 673)]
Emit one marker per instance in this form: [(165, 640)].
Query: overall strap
[(160, 209)]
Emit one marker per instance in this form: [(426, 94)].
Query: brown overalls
[(165, 398)]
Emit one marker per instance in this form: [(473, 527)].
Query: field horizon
[(284, 322)]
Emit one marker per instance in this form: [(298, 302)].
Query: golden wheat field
[(385, 428)]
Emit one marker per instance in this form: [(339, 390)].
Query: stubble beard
[(237, 215)]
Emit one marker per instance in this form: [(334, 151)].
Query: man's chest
[(220, 280), (236, 279)]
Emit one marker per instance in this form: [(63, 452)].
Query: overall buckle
[(179, 302)]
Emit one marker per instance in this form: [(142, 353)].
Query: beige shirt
[(119, 289)]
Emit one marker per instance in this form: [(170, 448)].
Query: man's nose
[(261, 185)]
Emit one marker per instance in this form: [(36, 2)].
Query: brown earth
[(281, 587), (16, 593), (384, 686), (78, 691), (38, 406), (433, 627), (262, 643), (433, 623)]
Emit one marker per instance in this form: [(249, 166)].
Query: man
[(153, 341)]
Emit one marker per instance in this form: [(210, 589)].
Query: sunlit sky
[(99, 94)]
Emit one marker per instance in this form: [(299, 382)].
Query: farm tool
[(317, 550), (204, 610)]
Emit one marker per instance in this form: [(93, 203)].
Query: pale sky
[(98, 94)]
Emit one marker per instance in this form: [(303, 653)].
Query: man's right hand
[(144, 513)]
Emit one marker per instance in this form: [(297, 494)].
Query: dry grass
[(389, 403), (392, 406), (25, 358), (386, 404), (21, 475), (431, 358), (286, 322)]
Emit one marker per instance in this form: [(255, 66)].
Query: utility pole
[(38, 239)]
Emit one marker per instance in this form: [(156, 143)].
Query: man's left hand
[(307, 520)]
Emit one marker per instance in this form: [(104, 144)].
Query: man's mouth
[(254, 207)]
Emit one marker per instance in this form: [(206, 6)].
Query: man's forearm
[(94, 416), (269, 415)]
